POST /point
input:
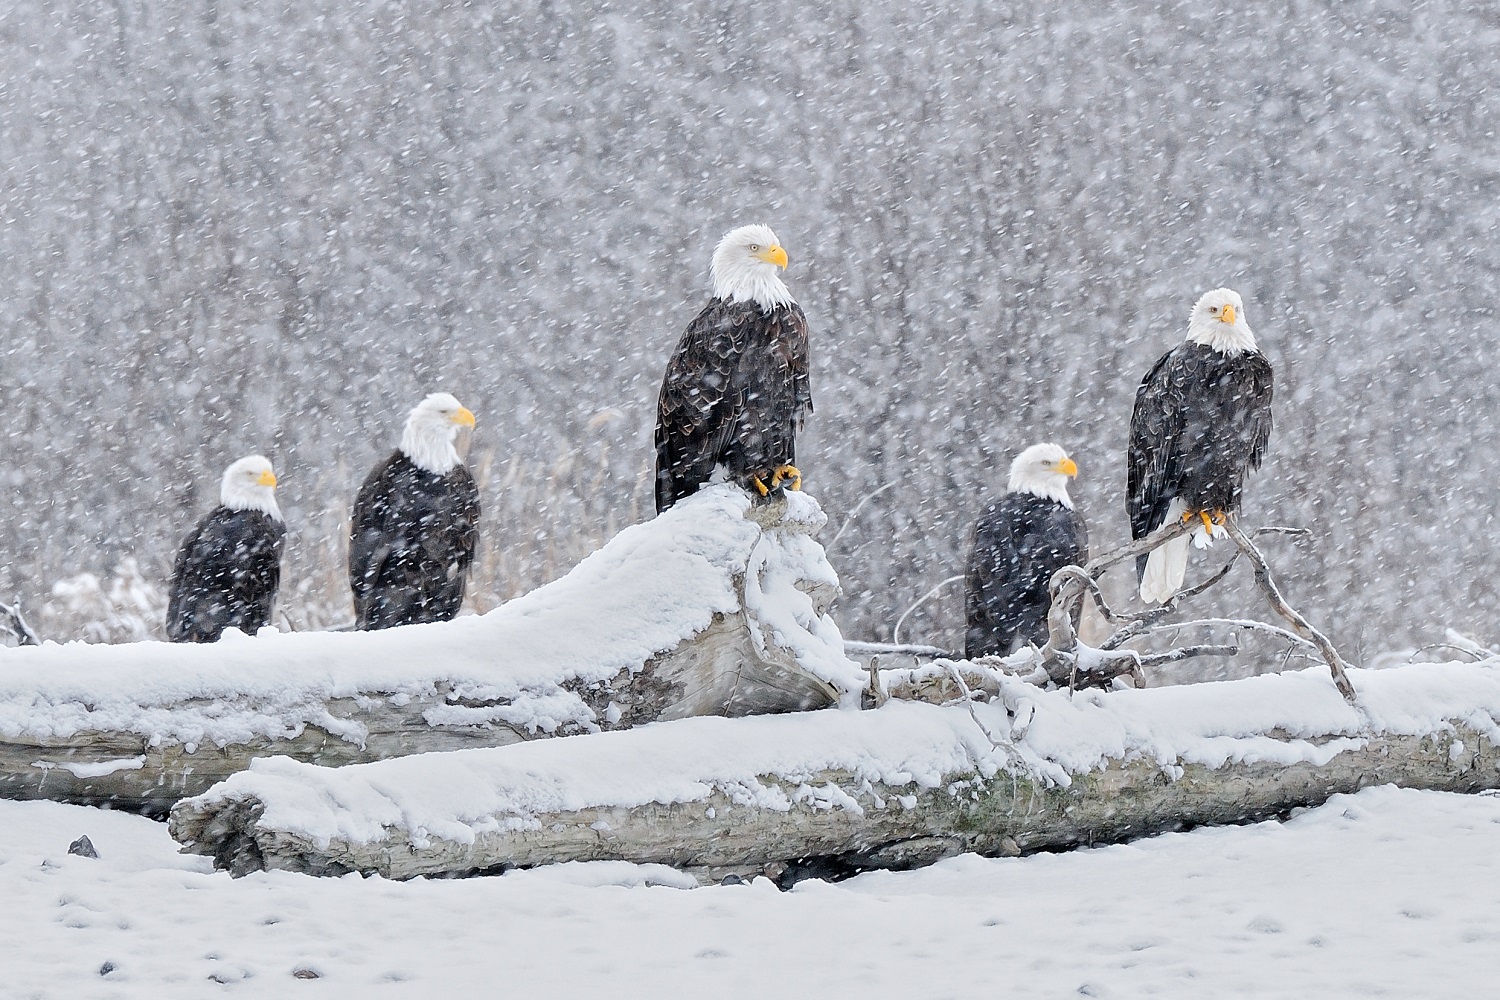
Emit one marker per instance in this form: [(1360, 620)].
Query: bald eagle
[(415, 524), (1019, 542), (736, 390), (1201, 422), (228, 569)]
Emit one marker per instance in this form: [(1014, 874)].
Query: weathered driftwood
[(900, 786), (717, 607)]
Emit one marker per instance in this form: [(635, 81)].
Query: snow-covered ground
[(1386, 893)]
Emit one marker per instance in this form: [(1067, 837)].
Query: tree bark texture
[(846, 819)]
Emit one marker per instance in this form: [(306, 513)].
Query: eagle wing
[(695, 412), (1154, 455), (463, 533), (795, 337), (1257, 409), (1196, 414), (371, 541)]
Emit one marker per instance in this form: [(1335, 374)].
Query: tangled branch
[(1066, 663)]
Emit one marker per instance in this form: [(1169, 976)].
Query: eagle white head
[(1218, 321), (745, 265), (1043, 470), (249, 484), (430, 431)]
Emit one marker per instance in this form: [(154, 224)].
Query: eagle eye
[(755, 248)]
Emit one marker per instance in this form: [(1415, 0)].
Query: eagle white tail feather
[(1166, 567)]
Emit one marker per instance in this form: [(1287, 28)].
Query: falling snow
[(232, 228)]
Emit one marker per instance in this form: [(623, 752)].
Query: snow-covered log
[(901, 785), (715, 607)]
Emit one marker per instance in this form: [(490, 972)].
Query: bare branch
[(1139, 547), (1474, 657), (1300, 625), (16, 625), (855, 513), (896, 632), (1249, 623), (1066, 663), (1137, 622), (1184, 652), (909, 648)]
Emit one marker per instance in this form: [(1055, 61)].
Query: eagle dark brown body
[(1019, 542), (735, 394), (411, 543), (227, 574), (1202, 420)]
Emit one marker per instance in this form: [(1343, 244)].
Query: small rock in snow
[(84, 848)]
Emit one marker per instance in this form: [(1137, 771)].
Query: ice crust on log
[(714, 607), (905, 784)]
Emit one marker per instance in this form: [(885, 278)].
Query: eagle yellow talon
[(787, 472), (1208, 521), (760, 486)]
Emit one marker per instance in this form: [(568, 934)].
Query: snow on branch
[(12, 622)]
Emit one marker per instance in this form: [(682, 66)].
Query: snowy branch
[(1245, 623), (12, 622)]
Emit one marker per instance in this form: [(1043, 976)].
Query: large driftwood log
[(716, 607), (903, 785)]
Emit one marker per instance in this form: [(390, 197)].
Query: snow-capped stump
[(894, 787), (714, 607)]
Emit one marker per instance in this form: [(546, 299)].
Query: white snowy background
[(232, 227)]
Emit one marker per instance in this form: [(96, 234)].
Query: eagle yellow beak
[(1068, 467), (774, 255), (1227, 316), (464, 418), (267, 478)]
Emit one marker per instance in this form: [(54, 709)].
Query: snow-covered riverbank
[(1388, 892)]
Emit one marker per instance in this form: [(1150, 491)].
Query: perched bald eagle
[(736, 390), (415, 524), (1019, 542), (228, 569), (1201, 422)]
